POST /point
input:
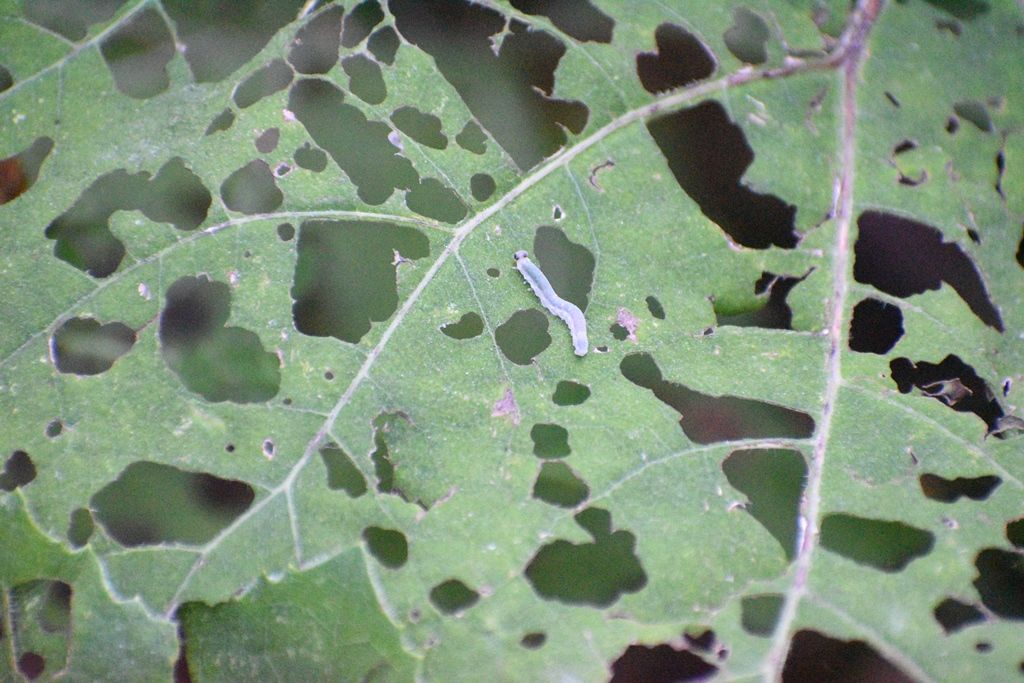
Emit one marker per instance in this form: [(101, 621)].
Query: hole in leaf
[(509, 89), (760, 613), (360, 147), (523, 336), (472, 138), (360, 21), (433, 199), (217, 41), (365, 79), (773, 313), (681, 59), (702, 641), (251, 189), (270, 78), (267, 140), (469, 325), (82, 233), (70, 18), (558, 485), (342, 473), (80, 527), (619, 333), (482, 186), (134, 507), (976, 113), (550, 441), (904, 146), (31, 665), (595, 574), (660, 664), (177, 196), (6, 79), (569, 393), (1000, 170), (315, 48), (954, 615), (1015, 532), (137, 52), (876, 326), (708, 155), (453, 596), (655, 307), (219, 363), (596, 170), (19, 172), (54, 610), (19, 470), (1000, 582), (952, 382), (576, 18), (286, 232), (311, 158), (773, 481), (568, 266), (814, 656), (961, 9), (85, 347), (747, 37), (950, 490), (902, 257), (269, 449), (181, 671), (913, 182), (423, 128), (534, 640), (384, 45), (882, 544), (54, 429), (221, 122), (345, 275), (387, 545), (384, 468), (712, 419)]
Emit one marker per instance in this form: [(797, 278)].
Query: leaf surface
[(278, 403)]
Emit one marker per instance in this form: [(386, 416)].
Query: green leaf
[(277, 402), (357, 643)]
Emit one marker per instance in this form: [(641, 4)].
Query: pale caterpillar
[(566, 310)]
